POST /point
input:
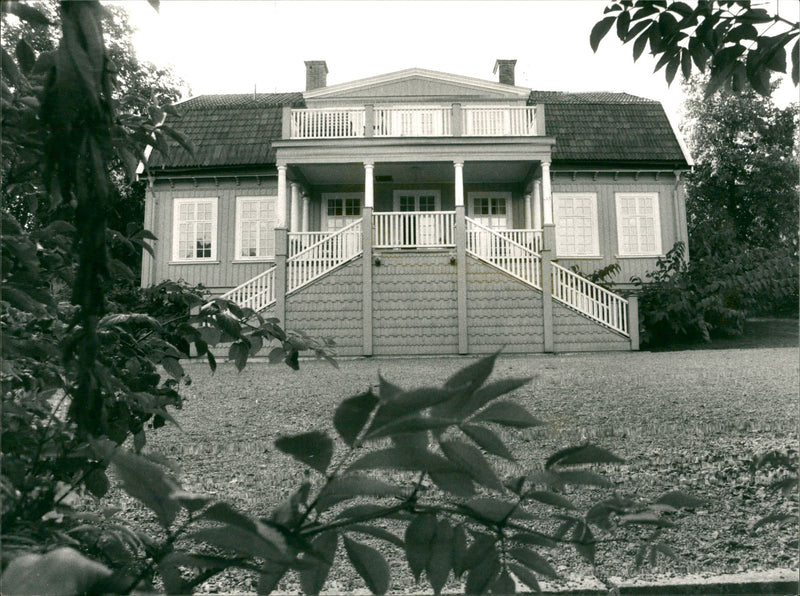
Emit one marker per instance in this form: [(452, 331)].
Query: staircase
[(568, 288)]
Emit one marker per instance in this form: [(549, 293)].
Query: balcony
[(413, 121)]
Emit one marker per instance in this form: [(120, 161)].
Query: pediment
[(415, 85)]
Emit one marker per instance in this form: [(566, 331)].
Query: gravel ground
[(690, 420)]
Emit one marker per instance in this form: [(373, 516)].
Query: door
[(418, 230)]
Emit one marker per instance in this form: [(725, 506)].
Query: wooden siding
[(502, 312), (572, 332), (331, 307), (605, 186), (414, 301), (226, 272)]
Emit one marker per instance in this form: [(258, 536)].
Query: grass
[(689, 420)]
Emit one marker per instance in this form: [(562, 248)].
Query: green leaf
[(508, 414), (313, 579), (582, 454), (480, 577), (369, 564), (647, 518), (411, 424), (680, 500), (492, 391), (441, 557), (533, 560), (459, 550), (503, 584), (599, 31), (149, 484), (376, 532), (343, 488), (418, 543), (487, 439), (584, 541), (315, 449), (550, 498), (525, 576), (472, 376), (471, 460)]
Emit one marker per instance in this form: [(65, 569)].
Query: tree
[(742, 45)]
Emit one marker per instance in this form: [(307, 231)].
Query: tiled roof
[(608, 127), (227, 130), (237, 130)]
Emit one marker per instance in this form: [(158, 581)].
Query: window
[(638, 224), (575, 217), (194, 229), (340, 210), (255, 227), (491, 209)]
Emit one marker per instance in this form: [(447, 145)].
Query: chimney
[(316, 74), (506, 68)]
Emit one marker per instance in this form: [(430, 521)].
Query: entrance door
[(420, 230)]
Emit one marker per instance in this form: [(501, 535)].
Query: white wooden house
[(422, 212)]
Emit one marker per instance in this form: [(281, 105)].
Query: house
[(420, 212)]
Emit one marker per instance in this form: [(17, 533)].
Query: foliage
[(739, 141), (416, 470), (741, 45), (602, 277), (684, 301)]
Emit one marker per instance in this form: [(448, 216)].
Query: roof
[(227, 130), (601, 127)]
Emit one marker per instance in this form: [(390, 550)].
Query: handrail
[(257, 293), (505, 254), (413, 229), (590, 299), (323, 256)]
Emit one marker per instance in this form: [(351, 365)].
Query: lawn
[(689, 420)]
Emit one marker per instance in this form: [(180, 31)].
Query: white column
[(528, 221), (306, 205), (537, 205), (280, 207), (369, 188), (295, 208), (547, 196), (459, 167)]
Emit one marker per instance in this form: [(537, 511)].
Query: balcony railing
[(412, 121), (425, 229)]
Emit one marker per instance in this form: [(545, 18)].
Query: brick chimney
[(316, 74), (506, 68)]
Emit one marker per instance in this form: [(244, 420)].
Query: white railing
[(505, 254), (257, 293), (326, 123), (590, 299), (412, 122), (499, 121), (419, 229), (301, 240), (531, 239), (327, 254)]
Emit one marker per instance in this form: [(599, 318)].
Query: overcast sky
[(234, 47)]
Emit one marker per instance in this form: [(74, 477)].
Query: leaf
[(343, 488), (680, 500), (376, 532), (582, 454), (149, 484), (369, 564), (441, 558), (471, 460), (584, 541), (418, 542), (315, 449), (550, 498), (645, 518), (599, 31), (525, 576), (313, 578), (411, 424), (508, 414), (172, 366), (487, 439), (533, 560), (485, 394)]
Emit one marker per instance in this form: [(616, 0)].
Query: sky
[(238, 46)]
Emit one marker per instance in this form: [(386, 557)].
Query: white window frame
[(437, 198), (492, 194), (269, 256), (594, 249), (656, 224), (176, 205), (340, 195)]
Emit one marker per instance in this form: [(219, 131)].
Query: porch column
[(306, 206), (366, 261), (461, 259), (280, 207), (295, 208), (528, 221), (281, 247)]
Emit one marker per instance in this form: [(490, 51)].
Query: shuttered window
[(576, 224), (255, 227), (194, 229), (638, 224)]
